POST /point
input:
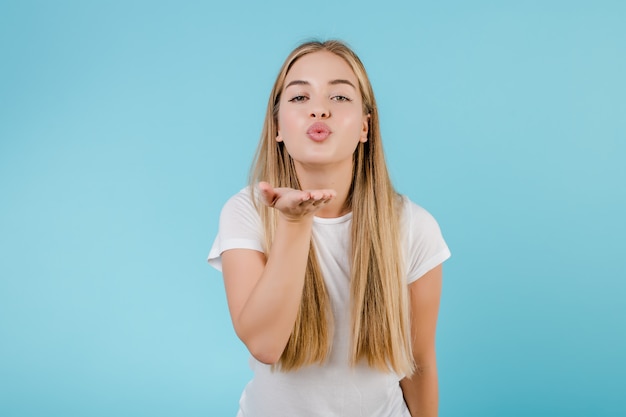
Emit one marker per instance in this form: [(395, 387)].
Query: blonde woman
[(333, 279)]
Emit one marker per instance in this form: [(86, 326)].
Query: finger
[(319, 195), (268, 193), (264, 186), (306, 196), (306, 205), (323, 194), (317, 203)]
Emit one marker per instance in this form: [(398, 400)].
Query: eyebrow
[(332, 82)]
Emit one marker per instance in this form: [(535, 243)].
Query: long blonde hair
[(378, 291)]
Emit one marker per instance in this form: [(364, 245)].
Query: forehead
[(321, 67)]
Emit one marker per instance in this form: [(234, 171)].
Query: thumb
[(267, 193)]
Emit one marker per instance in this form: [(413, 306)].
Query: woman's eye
[(341, 98), (297, 99)]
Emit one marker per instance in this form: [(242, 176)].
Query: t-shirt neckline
[(333, 220)]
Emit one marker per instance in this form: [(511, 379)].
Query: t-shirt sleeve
[(426, 246), (239, 228)]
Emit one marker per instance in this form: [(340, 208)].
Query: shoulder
[(242, 201), (425, 243), (417, 217), (240, 211), (240, 227)]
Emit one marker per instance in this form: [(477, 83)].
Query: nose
[(319, 110)]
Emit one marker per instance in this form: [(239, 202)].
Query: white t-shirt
[(335, 388)]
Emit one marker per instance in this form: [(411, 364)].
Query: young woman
[(333, 279)]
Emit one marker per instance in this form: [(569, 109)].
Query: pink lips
[(318, 131)]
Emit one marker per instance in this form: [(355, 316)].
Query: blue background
[(125, 125)]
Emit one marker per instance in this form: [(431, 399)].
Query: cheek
[(284, 119), (353, 121)]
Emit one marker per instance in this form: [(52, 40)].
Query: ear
[(279, 137), (366, 128)]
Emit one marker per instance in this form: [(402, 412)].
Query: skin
[(421, 391), (264, 293)]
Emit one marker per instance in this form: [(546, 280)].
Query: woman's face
[(320, 118)]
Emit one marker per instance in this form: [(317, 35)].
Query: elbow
[(263, 350), (265, 356)]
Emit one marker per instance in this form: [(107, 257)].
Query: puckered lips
[(318, 131)]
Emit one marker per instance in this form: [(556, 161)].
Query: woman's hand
[(293, 204)]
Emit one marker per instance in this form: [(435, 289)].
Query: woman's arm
[(264, 294), (421, 391)]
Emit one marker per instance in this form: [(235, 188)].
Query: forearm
[(267, 318), (421, 391)]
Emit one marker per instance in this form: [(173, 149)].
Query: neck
[(337, 178)]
